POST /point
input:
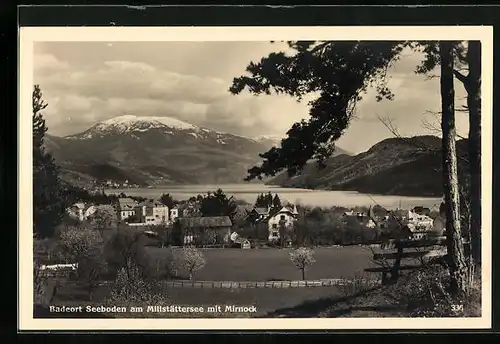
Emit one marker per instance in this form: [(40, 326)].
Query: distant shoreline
[(400, 194), (307, 197), (266, 187)]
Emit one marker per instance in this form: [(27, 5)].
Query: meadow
[(267, 264), (247, 265)]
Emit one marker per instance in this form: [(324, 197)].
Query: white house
[(152, 213), (81, 211), (419, 225), (160, 213), (418, 222), (126, 208), (76, 211), (91, 210), (174, 214), (286, 217)]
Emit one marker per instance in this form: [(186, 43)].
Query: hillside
[(149, 150), (395, 166)]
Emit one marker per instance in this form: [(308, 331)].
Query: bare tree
[(302, 258), (456, 261), (192, 260), (434, 125)]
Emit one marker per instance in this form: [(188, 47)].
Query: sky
[(87, 82)]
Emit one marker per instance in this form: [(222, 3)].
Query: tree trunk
[(474, 105), (457, 265), (303, 274)]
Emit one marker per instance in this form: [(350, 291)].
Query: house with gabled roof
[(152, 212), (208, 230), (258, 214), (277, 219), (240, 242), (126, 208), (81, 211)]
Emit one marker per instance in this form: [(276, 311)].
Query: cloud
[(80, 96), (135, 80), (44, 62)]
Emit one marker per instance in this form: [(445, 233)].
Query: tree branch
[(435, 127), (388, 123), (461, 77)]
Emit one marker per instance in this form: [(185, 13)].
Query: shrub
[(425, 294), (130, 287), (358, 284), (76, 242), (301, 258)]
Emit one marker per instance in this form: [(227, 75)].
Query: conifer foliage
[(336, 74), (48, 200)]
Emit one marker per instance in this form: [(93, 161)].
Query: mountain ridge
[(147, 150), (393, 166)]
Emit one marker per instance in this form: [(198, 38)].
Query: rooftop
[(261, 210), (126, 203), (204, 222)]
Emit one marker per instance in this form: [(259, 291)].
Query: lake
[(249, 192)]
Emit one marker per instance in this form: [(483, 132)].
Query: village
[(274, 224)]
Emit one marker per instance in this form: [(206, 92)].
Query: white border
[(29, 35)]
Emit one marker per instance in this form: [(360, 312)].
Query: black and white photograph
[(186, 178)]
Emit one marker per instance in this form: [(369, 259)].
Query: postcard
[(237, 178)]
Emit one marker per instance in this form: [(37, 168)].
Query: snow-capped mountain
[(134, 126), (144, 150), (129, 124)]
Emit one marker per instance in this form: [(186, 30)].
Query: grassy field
[(249, 265), (274, 264)]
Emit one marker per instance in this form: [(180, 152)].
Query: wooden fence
[(266, 284), (255, 284)]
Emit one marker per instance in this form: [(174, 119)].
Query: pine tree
[(259, 202), (269, 199), (48, 200), (167, 200), (337, 73), (469, 57), (276, 202), (457, 265), (218, 204)]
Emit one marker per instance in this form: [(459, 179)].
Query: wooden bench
[(426, 251)]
